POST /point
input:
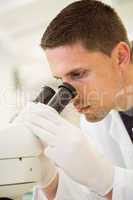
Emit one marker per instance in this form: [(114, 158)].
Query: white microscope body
[(20, 166)]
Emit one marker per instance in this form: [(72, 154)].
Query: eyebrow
[(58, 78), (69, 73)]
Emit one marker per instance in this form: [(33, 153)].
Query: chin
[(95, 117)]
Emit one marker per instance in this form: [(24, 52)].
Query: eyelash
[(78, 75)]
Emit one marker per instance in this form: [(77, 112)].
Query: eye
[(79, 75)]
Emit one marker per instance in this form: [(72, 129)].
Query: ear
[(121, 56)]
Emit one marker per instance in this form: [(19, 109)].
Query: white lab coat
[(113, 140)]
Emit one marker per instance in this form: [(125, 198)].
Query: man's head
[(87, 46)]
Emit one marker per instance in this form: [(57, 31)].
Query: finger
[(43, 123), (43, 135)]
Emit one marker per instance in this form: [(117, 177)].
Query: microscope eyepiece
[(65, 93), (58, 100), (45, 95)]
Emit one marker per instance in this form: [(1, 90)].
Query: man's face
[(93, 74)]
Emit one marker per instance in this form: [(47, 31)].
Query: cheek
[(93, 91), (90, 85), (87, 89), (106, 90), (94, 88)]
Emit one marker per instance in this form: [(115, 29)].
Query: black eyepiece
[(45, 95), (65, 93)]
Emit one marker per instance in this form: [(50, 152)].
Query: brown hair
[(95, 24)]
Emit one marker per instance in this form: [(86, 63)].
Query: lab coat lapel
[(120, 135)]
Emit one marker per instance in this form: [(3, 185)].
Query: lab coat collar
[(119, 133)]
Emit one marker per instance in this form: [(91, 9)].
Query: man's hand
[(71, 149)]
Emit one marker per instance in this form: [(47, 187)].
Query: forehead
[(66, 58)]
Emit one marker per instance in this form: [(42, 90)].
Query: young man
[(87, 46)]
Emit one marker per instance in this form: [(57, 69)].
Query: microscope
[(20, 166)]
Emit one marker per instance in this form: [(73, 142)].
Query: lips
[(80, 105)]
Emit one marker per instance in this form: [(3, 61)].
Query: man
[(87, 46)]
